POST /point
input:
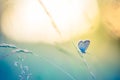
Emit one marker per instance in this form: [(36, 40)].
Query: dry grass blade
[(50, 17)]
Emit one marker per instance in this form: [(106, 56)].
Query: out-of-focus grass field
[(103, 54)]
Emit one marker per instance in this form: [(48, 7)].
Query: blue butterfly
[(83, 45)]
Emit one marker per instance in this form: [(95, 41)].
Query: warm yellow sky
[(27, 20)]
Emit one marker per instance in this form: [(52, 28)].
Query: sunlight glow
[(27, 21)]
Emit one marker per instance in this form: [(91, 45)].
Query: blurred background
[(48, 28)]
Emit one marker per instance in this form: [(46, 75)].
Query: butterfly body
[(83, 45)]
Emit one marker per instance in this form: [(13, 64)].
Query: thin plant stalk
[(50, 17), (85, 62)]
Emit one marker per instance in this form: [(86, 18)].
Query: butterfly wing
[(80, 44), (83, 45), (86, 44)]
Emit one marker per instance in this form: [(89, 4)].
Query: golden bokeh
[(110, 11), (27, 21)]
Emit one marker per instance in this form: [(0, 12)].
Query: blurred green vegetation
[(103, 57)]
